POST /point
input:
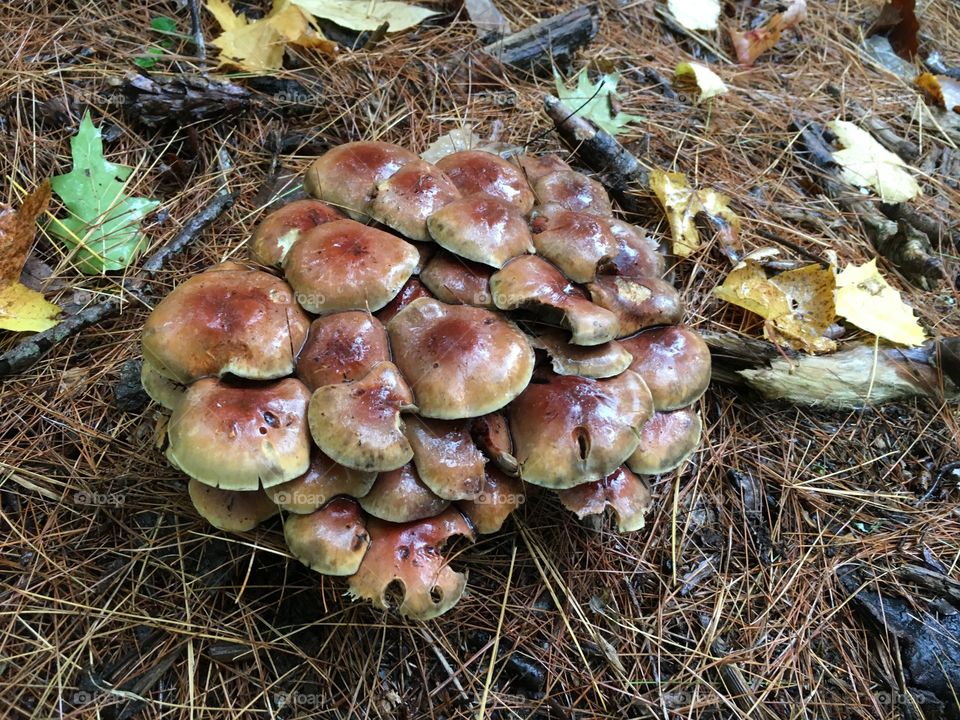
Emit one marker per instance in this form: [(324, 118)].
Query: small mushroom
[(573, 191), (481, 228), (537, 166), (347, 175), (667, 440), (500, 496), (457, 281), (239, 437), (447, 460), (575, 242), (344, 265), (595, 361), (492, 435), (342, 347), (161, 389), (461, 361), (476, 171), (226, 320), (674, 362), (358, 423), (323, 481), (401, 496), (405, 561), (569, 430), (331, 540), (279, 230), (638, 303), (412, 290), (231, 510), (623, 492), (412, 194), (531, 282), (637, 253)]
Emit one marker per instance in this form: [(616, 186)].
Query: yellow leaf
[(695, 14), (706, 80), (797, 304), (681, 204), (866, 163), (25, 310), (363, 15), (865, 299)]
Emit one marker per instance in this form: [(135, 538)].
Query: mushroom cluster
[(412, 350)]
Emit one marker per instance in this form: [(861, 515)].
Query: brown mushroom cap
[(637, 253), (481, 228), (623, 492), (500, 496), (667, 440), (401, 496), (447, 460), (226, 320), (461, 361), (674, 362), (279, 230), (347, 175), (638, 303), (412, 290), (595, 361), (344, 265), (492, 435), (409, 557), (241, 438), (413, 193), (332, 540), (569, 429), (358, 423), (342, 347), (161, 389), (457, 281), (323, 481), (476, 171), (575, 242), (536, 166), (231, 510), (531, 282), (573, 191)]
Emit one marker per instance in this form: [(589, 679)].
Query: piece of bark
[(180, 99)]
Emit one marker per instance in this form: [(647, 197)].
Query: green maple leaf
[(592, 100), (104, 223)]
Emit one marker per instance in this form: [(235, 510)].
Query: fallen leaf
[(942, 90), (454, 141), (866, 163), (596, 101), (898, 22), (681, 203), (798, 305), (363, 15), (695, 14), (865, 299), (104, 222), (703, 78), (22, 309), (750, 44)]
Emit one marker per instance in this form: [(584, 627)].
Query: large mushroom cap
[(241, 438), (226, 320), (637, 253), (407, 198), (569, 430), (344, 265), (332, 540), (461, 361), (358, 424), (456, 281), (342, 347), (622, 492), (161, 389), (231, 510), (500, 496), (595, 361), (575, 242), (279, 230), (347, 176), (400, 496), (638, 303), (573, 191), (447, 460), (674, 362), (476, 171), (481, 228), (323, 481), (537, 166), (409, 558), (667, 440)]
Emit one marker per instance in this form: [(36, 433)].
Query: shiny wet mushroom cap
[(239, 437), (279, 230), (535, 167), (332, 540), (637, 253), (457, 281), (497, 499), (476, 171), (638, 303), (595, 361), (344, 265), (342, 347), (447, 460), (577, 243), (460, 361), (347, 175), (481, 228), (226, 320), (492, 435), (411, 290), (231, 510), (674, 362), (573, 191), (400, 496), (323, 481), (626, 495), (161, 389), (667, 440), (407, 198)]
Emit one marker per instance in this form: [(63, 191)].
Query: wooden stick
[(558, 36)]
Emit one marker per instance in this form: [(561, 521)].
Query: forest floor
[(118, 601)]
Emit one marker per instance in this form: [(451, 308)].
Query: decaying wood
[(547, 41), (183, 99)]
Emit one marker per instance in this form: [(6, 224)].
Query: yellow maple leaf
[(865, 299), (866, 163), (681, 203)]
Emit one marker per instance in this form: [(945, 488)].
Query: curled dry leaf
[(705, 81), (866, 163), (682, 203), (865, 299), (695, 14), (750, 44)]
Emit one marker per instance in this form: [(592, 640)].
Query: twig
[(196, 28), (552, 38)]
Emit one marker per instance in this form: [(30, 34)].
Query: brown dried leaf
[(898, 22), (750, 44)]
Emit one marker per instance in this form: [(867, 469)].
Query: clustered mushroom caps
[(442, 336)]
